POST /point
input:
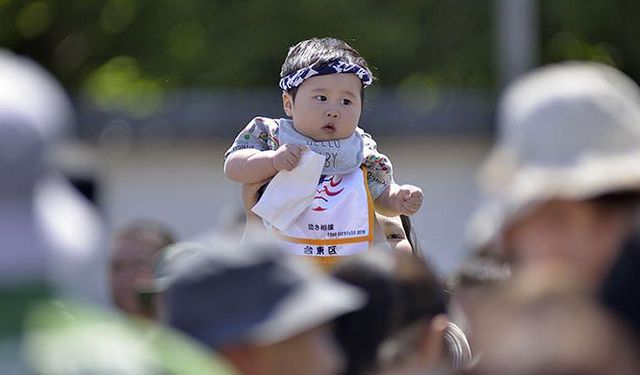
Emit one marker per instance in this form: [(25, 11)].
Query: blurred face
[(582, 234), (313, 352), (423, 353), (131, 266), (394, 232), (326, 107)]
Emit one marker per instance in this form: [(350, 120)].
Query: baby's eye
[(321, 98), (346, 101)]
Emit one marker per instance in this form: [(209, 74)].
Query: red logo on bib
[(327, 189)]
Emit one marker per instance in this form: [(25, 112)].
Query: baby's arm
[(390, 199), (256, 154), (251, 165), (399, 199)]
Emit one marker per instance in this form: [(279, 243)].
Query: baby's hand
[(408, 199), (286, 157)]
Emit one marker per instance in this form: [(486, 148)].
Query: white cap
[(48, 232), (569, 130)]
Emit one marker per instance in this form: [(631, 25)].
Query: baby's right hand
[(286, 157)]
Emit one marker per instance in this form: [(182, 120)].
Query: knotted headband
[(296, 78)]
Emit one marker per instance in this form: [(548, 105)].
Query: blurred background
[(163, 86)]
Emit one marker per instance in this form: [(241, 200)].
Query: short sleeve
[(379, 167), (260, 134)]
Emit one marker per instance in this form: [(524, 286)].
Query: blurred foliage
[(599, 30), (126, 53), (241, 43)]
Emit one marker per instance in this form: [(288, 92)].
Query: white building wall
[(183, 186)]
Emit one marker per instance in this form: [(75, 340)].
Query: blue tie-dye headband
[(296, 78)]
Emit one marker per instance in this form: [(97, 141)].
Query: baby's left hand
[(408, 199)]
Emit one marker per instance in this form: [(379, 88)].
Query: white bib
[(338, 223)]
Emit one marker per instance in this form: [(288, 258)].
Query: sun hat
[(49, 234), (251, 293), (568, 130)]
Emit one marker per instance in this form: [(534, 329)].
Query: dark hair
[(402, 289), (319, 51), (616, 292), (481, 269), (410, 233), (148, 229), (626, 199)]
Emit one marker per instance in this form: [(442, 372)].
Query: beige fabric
[(568, 130), (290, 192)]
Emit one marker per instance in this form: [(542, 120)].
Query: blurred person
[(619, 292), (131, 265), (403, 328), (40, 249), (470, 285), (150, 294), (545, 322), (264, 312), (562, 183), (42, 256), (324, 210), (52, 264), (133, 250), (399, 233)]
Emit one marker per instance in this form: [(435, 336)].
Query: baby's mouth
[(329, 127)]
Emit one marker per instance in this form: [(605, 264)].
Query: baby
[(322, 82)]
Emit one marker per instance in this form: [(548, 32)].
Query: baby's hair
[(319, 51)]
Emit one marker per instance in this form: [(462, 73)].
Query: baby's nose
[(332, 113)]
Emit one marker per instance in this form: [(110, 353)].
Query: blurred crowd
[(549, 286)]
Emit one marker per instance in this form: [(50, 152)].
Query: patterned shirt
[(262, 133)]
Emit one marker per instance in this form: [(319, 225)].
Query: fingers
[(409, 210), (291, 161), (288, 156), (411, 207), (294, 149), (292, 156), (410, 199)]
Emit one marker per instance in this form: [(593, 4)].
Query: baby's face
[(394, 232), (326, 107)]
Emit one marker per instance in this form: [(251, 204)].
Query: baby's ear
[(287, 103)]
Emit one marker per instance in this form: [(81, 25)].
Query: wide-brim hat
[(569, 131), (49, 233), (252, 293)]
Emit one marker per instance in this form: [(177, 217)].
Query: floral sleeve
[(260, 134), (379, 167)]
